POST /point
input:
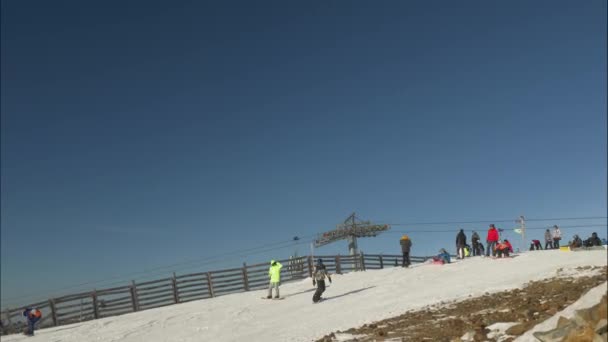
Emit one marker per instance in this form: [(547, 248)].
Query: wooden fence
[(187, 287)]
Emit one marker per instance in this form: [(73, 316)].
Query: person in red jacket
[(492, 240)]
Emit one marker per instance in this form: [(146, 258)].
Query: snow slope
[(352, 300)]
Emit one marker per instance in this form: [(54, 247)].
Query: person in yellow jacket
[(274, 273)]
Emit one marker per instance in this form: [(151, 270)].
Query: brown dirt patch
[(529, 306)]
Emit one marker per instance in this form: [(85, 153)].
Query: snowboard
[(280, 298)]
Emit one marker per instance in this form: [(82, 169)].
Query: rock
[(557, 334), (601, 327), (520, 328), (562, 321), (584, 333), (469, 336)]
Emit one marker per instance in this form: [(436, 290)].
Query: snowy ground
[(352, 300)]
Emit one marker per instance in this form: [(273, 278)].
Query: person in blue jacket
[(443, 256), (32, 316)]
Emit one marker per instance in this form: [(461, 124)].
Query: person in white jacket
[(557, 235)]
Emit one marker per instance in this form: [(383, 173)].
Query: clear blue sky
[(141, 134)]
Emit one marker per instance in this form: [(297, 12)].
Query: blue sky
[(142, 134)]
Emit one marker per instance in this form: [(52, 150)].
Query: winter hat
[(272, 262), (319, 261)]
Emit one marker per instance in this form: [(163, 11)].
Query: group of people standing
[(494, 244)]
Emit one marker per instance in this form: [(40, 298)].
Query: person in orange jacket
[(504, 248), (33, 316)]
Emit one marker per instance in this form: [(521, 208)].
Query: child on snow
[(274, 273), (318, 279), (32, 316)]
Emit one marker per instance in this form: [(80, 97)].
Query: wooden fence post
[(245, 280), (338, 266), (210, 285), (381, 262), (134, 298), (53, 312), (95, 305), (362, 262), (175, 293), (8, 317), (309, 266)]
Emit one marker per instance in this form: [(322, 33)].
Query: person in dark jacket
[(32, 316), (318, 279), (593, 240), (406, 245), (548, 240), (461, 241), (476, 246)]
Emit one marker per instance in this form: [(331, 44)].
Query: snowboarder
[(475, 241), (548, 240), (443, 257), (274, 273), (557, 235), (461, 241), (318, 279), (406, 245), (32, 316), (491, 239)]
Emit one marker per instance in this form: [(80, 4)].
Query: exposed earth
[(446, 321)]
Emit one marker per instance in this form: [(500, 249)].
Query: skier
[(475, 240), (318, 279), (576, 242), (491, 239), (274, 273), (557, 235), (461, 241), (32, 316), (406, 245), (548, 239)]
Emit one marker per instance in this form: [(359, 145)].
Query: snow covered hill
[(351, 300)]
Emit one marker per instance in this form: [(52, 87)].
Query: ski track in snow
[(352, 300)]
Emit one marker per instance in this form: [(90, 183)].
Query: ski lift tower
[(350, 230)]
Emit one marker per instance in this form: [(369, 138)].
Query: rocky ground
[(529, 306)]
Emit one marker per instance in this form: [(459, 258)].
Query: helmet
[(405, 237), (272, 262), (320, 261)]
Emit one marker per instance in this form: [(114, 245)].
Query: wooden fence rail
[(188, 287)]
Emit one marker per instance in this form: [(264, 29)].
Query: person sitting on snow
[(593, 241), (443, 257), (504, 248), (32, 316), (576, 242)]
